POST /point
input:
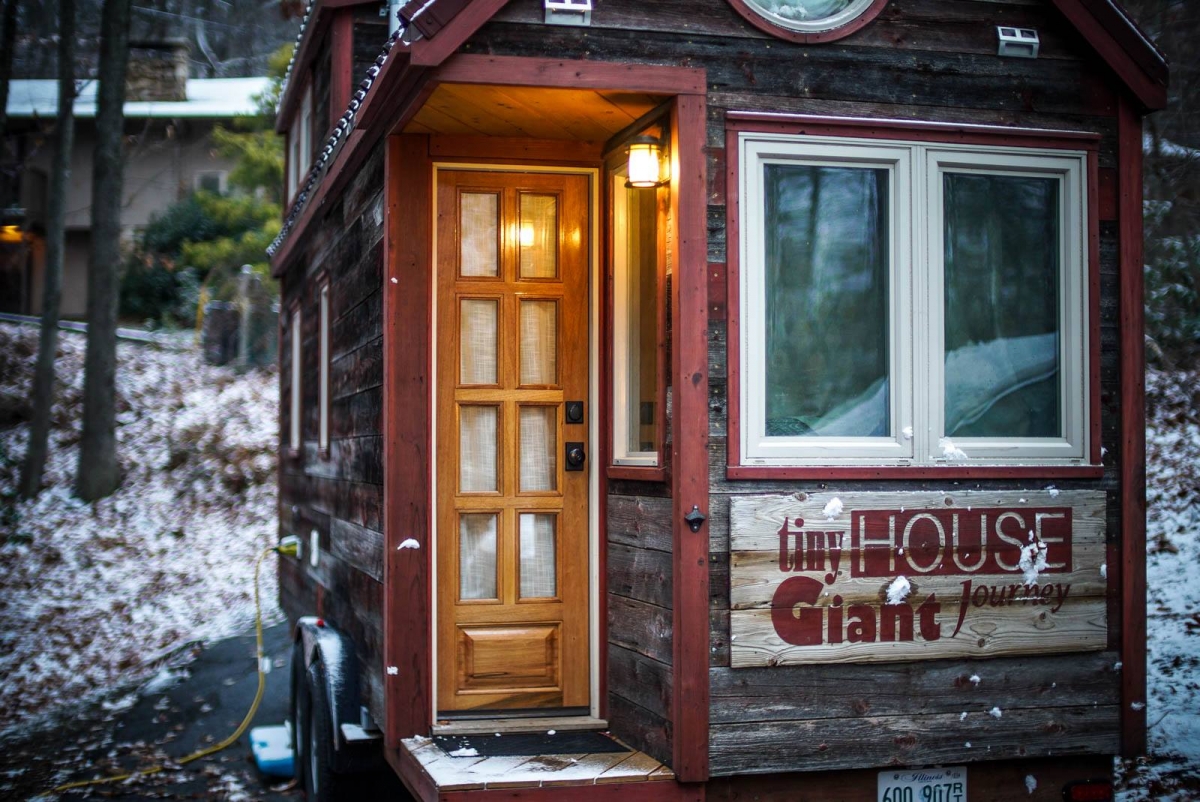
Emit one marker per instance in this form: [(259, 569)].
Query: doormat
[(528, 744)]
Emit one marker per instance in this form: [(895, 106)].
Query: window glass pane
[(477, 341), (478, 225), (477, 449), (827, 264), (1001, 294), (799, 13), (539, 448), (539, 575), (539, 236), (639, 297), (539, 342), (477, 556)]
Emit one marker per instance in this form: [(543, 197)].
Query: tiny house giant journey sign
[(873, 577)]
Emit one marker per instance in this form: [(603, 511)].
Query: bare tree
[(60, 175), (99, 471)]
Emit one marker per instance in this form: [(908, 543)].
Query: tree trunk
[(60, 175), (99, 470), (8, 37)]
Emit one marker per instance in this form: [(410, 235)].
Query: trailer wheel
[(301, 706), (322, 782)]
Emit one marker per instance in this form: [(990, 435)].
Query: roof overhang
[(1122, 45)]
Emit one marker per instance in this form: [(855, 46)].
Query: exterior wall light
[(647, 167)]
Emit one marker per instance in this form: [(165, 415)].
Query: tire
[(301, 712), (322, 782)]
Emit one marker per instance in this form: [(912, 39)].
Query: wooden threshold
[(633, 776), (509, 726)]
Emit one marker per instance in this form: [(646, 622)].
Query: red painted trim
[(818, 473), (689, 477), (341, 63), (466, 68), (407, 438), (1133, 435), (953, 133), (638, 473), (911, 130), (433, 51), (840, 32), (1144, 74), (415, 779), (1095, 436)]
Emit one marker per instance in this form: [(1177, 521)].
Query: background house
[(169, 120)]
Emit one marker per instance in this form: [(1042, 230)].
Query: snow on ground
[(1172, 771), (93, 595)]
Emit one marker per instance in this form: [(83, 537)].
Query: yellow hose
[(262, 685)]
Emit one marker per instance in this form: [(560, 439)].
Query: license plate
[(926, 785)]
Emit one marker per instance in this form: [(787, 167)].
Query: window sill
[(637, 473), (764, 472)]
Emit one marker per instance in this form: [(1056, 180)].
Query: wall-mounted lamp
[(647, 167)]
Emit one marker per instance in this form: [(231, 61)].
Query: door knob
[(575, 456)]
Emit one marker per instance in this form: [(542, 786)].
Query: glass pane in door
[(479, 227), (539, 236), (477, 556), (539, 448), (477, 448), (539, 342), (477, 341), (539, 571)]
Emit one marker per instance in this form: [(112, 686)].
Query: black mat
[(529, 745)]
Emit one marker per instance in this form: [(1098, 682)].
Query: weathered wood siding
[(640, 606), (339, 494), (922, 60)]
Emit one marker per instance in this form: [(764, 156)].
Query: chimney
[(158, 70)]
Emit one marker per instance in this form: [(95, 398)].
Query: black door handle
[(575, 456)]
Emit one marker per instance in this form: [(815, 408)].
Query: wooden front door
[(512, 450)]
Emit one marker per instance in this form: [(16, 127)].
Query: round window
[(809, 20)]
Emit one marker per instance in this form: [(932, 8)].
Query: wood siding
[(339, 494), (920, 60)]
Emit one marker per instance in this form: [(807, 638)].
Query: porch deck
[(441, 773)]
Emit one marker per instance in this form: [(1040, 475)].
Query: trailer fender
[(321, 642)]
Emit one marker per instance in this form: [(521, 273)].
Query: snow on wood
[(93, 593)]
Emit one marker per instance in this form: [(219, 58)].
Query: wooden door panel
[(513, 538)]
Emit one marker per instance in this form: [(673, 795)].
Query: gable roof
[(207, 98)]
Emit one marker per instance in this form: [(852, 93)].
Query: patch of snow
[(976, 679), (962, 716), (1030, 783), (908, 432), (951, 451), (1104, 570), (1139, 706), (94, 592), (466, 751), (1033, 559), (409, 543), (833, 508), (551, 732), (1053, 491), (898, 591), (392, 671), (995, 712)]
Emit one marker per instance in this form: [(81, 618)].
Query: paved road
[(140, 729)]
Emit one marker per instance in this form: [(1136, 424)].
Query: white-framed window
[(300, 144), (213, 181), (323, 387), (911, 303), (636, 302), (294, 409), (293, 161)]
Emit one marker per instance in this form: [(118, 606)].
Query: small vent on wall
[(568, 12), (1018, 42)]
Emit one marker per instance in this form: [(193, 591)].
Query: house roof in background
[(207, 98)]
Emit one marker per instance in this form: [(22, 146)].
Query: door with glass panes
[(512, 450)]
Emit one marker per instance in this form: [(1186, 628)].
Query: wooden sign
[(874, 577)]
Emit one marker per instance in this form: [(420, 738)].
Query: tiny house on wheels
[(726, 399)]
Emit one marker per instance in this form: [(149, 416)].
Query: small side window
[(294, 410), (637, 253), (323, 386)]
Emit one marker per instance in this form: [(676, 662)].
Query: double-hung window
[(911, 303)]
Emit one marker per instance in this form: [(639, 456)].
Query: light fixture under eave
[(646, 165)]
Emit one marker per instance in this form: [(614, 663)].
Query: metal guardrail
[(170, 342)]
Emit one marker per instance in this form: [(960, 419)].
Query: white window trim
[(305, 121), (915, 230), (295, 410), (293, 160), (620, 365), (323, 386), (222, 180)]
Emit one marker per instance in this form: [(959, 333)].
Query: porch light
[(647, 168)]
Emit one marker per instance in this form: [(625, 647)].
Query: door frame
[(595, 312)]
